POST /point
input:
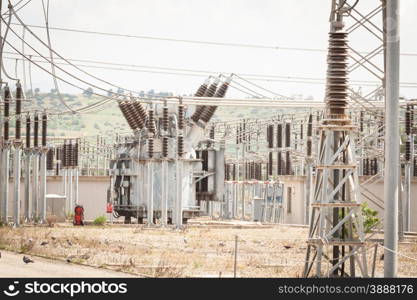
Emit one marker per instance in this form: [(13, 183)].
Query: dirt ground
[(205, 249)]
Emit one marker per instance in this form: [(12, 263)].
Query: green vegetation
[(370, 217), (100, 221)]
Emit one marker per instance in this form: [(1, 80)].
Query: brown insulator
[(270, 164), (50, 159), (234, 171), (36, 131), (337, 75), (180, 146), (301, 131), (279, 163), (209, 92), (240, 133), (68, 155), (76, 154), (71, 154), (19, 97), (227, 172), (375, 166), (287, 135), (151, 121), (127, 113), (279, 136), (165, 118), (44, 129), (7, 100), (408, 149), (270, 136), (288, 169), (361, 120), (237, 135), (27, 131), (209, 111), (165, 146), (140, 114), (408, 121), (212, 133), (181, 116), (150, 147), (64, 155)]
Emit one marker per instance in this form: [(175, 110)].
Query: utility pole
[(392, 141)]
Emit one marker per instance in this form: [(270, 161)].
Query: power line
[(212, 43)]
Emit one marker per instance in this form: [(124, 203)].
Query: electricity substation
[(315, 164)]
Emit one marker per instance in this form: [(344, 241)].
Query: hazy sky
[(285, 23)]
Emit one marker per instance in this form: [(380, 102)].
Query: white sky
[(286, 23)]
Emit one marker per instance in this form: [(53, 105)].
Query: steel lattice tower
[(336, 233)]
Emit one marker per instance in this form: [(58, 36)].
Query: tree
[(88, 92)]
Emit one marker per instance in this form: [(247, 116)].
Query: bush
[(370, 217), (100, 221)]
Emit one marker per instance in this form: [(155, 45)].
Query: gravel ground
[(205, 249)]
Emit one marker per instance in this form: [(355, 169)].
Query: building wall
[(93, 196)]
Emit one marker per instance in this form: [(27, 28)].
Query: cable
[(46, 15), (60, 56), (242, 45), (258, 86), (2, 46)]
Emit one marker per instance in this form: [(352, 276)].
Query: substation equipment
[(160, 172)]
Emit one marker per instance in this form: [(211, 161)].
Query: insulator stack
[(165, 147), (237, 135), (71, 154), (165, 118), (36, 131), (7, 100), (408, 121), (128, 114), (27, 131), (150, 147), (288, 167), (50, 159), (180, 146), (209, 111), (287, 135), (140, 114), (337, 75), (375, 166), (240, 133), (279, 136), (212, 133), (234, 171), (361, 121), (44, 129), (68, 155), (279, 163), (408, 149), (366, 167), (76, 154), (151, 121), (270, 164), (181, 115), (301, 131), (270, 136), (19, 97), (310, 135), (208, 92)]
